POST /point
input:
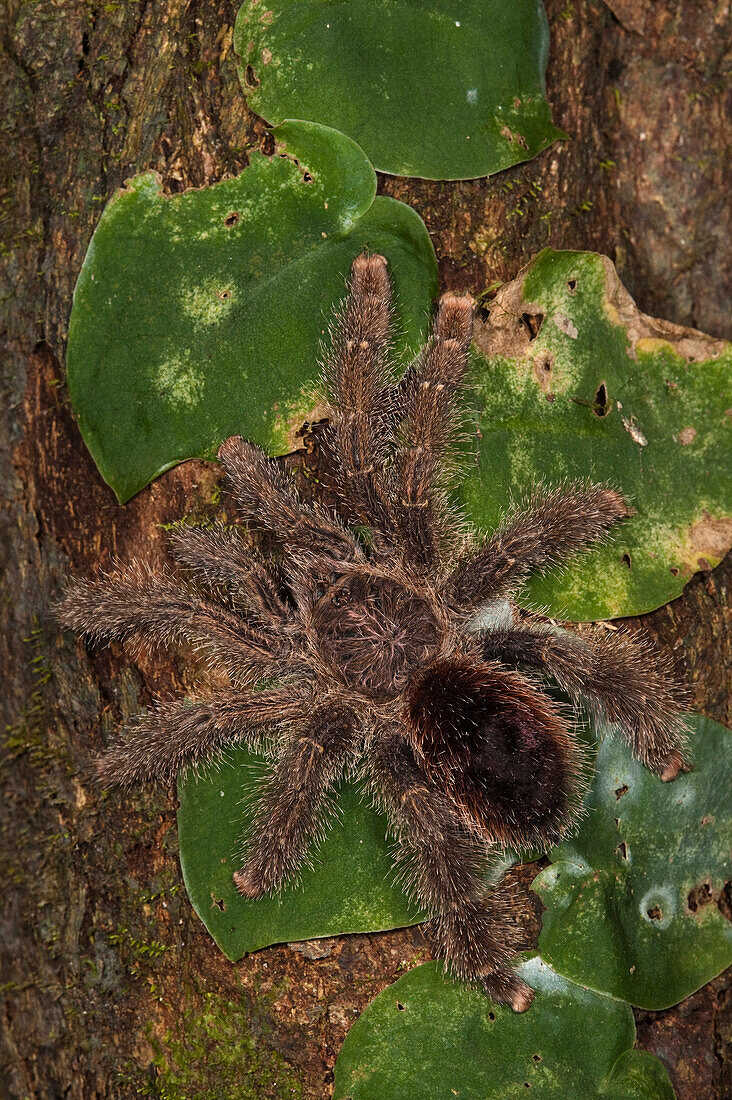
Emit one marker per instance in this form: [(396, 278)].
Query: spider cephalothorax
[(367, 626)]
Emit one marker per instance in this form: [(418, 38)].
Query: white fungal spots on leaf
[(178, 383), (566, 325), (209, 302), (634, 431), (658, 907)]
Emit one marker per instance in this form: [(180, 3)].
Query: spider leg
[(625, 681), (537, 537), (443, 867), (267, 496), (427, 398), (220, 559), (294, 807), (181, 734), (138, 604), (360, 396)]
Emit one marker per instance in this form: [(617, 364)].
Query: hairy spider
[(367, 625)]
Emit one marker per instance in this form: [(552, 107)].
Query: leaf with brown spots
[(574, 382), (638, 901)]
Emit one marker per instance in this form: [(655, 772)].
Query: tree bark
[(107, 974)]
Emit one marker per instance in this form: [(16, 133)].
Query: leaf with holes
[(574, 382), (638, 902), (426, 1037), (349, 888), (426, 89), (198, 316)]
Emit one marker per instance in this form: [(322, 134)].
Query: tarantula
[(366, 623)]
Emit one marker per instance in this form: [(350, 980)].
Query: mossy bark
[(110, 986)]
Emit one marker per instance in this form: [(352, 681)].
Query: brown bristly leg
[(181, 734), (145, 606), (360, 395), (294, 807), (267, 496), (427, 399), (534, 539), (625, 680), (220, 559), (442, 867)]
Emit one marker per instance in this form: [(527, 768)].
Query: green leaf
[(426, 1037), (442, 91), (349, 888), (633, 900), (199, 316), (638, 1075), (574, 382)]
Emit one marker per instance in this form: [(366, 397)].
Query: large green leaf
[(573, 383), (635, 900), (442, 91), (199, 316), (349, 888), (425, 1037)]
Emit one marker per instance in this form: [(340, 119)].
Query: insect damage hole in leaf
[(564, 423), (724, 902), (700, 896), (601, 406), (543, 370), (678, 834), (164, 364), (532, 322), (251, 80), (585, 1040)]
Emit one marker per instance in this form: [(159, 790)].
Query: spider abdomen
[(498, 749)]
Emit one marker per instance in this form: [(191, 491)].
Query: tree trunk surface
[(107, 974)]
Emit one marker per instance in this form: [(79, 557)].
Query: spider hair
[(375, 670)]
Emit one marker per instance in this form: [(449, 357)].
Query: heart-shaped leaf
[(199, 316), (426, 1037), (349, 888), (575, 382), (442, 91), (638, 901)]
